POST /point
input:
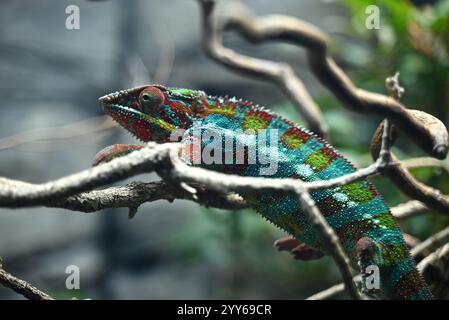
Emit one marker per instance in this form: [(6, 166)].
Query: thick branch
[(136, 193), (15, 193)]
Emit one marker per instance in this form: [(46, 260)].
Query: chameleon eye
[(150, 99)]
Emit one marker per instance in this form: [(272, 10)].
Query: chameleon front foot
[(299, 250), (114, 151)]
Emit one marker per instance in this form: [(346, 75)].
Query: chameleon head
[(152, 113)]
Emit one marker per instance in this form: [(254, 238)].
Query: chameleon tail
[(406, 282), (400, 278)]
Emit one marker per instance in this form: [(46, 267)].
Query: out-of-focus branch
[(437, 238), (408, 209), (438, 259), (281, 74), (425, 130), (425, 162)]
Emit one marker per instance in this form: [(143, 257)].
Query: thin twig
[(425, 162), (77, 130), (330, 240), (437, 238), (394, 88), (22, 287), (332, 291), (441, 254)]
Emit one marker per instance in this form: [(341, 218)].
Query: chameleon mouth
[(139, 124)]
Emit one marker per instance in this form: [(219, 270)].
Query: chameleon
[(368, 232)]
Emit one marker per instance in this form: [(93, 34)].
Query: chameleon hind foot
[(111, 152), (299, 250)]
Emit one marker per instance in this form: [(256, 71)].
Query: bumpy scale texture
[(357, 212)]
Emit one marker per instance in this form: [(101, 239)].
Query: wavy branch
[(281, 74), (425, 130)]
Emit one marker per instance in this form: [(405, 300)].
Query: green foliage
[(68, 294), (415, 42)]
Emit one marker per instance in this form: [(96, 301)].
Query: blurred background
[(51, 125)]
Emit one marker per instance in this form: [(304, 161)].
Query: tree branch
[(135, 194), (281, 74), (22, 287), (408, 209)]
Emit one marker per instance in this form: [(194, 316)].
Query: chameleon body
[(357, 212)]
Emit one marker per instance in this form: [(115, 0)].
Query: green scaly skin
[(358, 214)]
